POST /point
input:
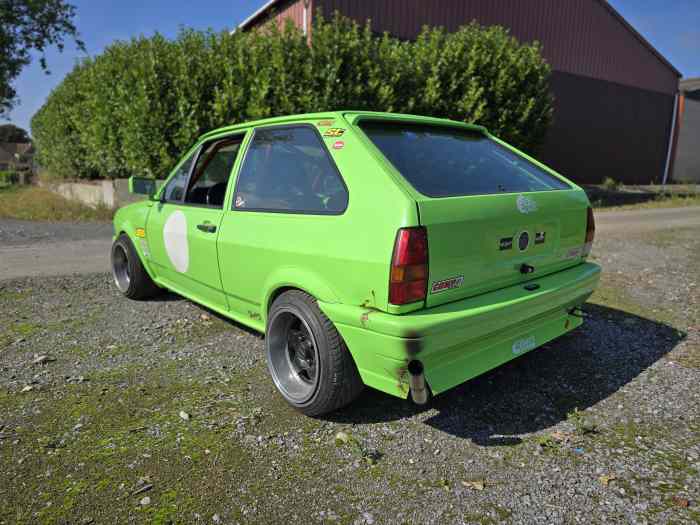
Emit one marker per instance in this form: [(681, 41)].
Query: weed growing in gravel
[(367, 455), (547, 443), (581, 422)]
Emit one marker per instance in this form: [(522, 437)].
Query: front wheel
[(307, 359), (128, 272)]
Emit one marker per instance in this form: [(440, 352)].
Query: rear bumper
[(461, 340)]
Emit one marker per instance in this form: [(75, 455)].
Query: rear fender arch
[(291, 278)]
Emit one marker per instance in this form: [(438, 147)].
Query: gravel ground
[(114, 411)]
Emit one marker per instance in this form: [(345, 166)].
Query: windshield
[(448, 162)]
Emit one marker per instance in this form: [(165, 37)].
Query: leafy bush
[(8, 178), (137, 107), (611, 184)]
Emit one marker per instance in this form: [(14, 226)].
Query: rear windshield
[(448, 162)]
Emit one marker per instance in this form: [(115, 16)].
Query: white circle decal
[(175, 239)]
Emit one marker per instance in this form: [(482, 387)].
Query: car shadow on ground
[(540, 388)]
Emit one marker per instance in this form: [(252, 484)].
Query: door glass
[(175, 189), (289, 170), (212, 171)]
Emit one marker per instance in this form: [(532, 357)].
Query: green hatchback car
[(405, 253)]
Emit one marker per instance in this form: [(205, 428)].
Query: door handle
[(207, 227)]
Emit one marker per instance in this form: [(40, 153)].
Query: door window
[(175, 188), (212, 172), (289, 170)]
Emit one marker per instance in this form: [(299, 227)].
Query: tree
[(12, 133), (27, 25)]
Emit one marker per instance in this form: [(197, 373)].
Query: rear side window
[(448, 162), (289, 170)]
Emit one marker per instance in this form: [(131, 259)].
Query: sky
[(672, 26)]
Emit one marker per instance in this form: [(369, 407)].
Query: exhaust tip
[(419, 390), (415, 368)]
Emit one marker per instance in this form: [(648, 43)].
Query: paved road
[(30, 249), (620, 222)]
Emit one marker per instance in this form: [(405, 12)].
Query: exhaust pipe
[(419, 390)]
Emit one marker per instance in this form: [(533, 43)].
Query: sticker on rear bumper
[(524, 345), (447, 284)]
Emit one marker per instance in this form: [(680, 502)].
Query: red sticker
[(339, 144)]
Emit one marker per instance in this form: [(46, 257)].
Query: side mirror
[(142, 186)]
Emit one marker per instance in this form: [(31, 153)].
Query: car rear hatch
[(480, 244), (493, 217)]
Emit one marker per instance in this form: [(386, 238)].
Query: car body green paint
[(344, 260)]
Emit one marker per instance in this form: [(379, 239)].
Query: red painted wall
[(583, 37)]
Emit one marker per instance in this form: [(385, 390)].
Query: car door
[(183, 227)]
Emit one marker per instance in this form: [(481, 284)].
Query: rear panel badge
[(506, 243), (447, 284), (526, 204)]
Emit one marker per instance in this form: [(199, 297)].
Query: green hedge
[(8, 178), (138, 106)]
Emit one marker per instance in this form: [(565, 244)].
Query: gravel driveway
[(113, 411)]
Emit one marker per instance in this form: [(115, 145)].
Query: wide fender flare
[(300, 279), (126, 226)]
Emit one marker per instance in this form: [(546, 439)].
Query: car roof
[(348, 115)]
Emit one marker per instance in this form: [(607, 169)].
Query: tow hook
[(419, 390), (579, 312)]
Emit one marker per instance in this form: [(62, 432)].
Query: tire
[(128, 272), (297, 330)]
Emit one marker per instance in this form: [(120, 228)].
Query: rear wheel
[(308, 360), (129, 275)]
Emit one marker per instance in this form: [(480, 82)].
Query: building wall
[(584, 37), (687, 165), (290, 9), (603, 129)]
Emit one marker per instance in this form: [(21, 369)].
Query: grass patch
[(660, 201), (15, 331), (39, 204)]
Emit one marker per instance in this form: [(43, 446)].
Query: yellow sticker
[(325, 123), (140, 232), (334, 132)]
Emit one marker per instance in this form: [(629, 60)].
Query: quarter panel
[(344, 258)]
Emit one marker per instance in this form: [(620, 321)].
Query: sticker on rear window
[(339, 144), (334, 132), (447, 284)]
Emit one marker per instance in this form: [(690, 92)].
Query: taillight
[(590, 227), (590, 233), (409, 266)]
